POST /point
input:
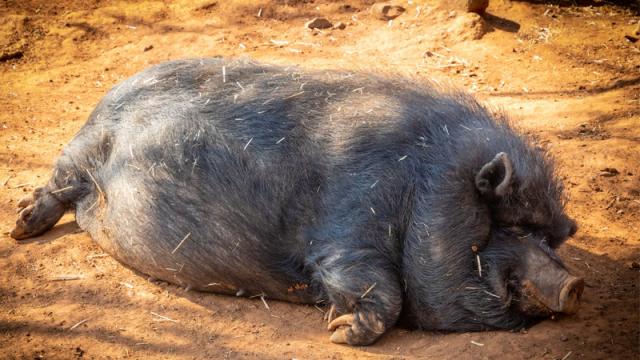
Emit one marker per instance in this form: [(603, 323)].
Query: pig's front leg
[(363, 285)]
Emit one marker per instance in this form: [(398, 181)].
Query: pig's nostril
[(570, 295)]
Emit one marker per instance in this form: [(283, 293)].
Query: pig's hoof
[(29, 199), (21, 230), (38, 213), (356, 329)]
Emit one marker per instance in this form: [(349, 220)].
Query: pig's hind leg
[(42, 209)]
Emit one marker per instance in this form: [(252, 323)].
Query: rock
[(318, 23), (386, 11), (340, 26), (633, 36), (634, 265), (608, 172), (13, 37), (10, 55), (475, 6), (467, 26)]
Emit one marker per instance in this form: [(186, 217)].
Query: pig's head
[(526, 195), (490, 263), (528, 224)]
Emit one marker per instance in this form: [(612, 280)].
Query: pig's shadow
[(610, 292)]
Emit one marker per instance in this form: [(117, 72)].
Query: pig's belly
[(169, 245)]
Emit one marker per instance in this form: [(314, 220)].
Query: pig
[(386, 199)]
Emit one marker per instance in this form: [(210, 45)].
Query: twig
[(126, 284), (279, 42), (331, 314), (163, 317), (181, 242), (477, 343), (4, 183), (368, 290), (224, 74), (61, 190), (95, 182), (479, 265), (67, 278), (264, 302), (294, 95), (247, 144), (567, 356), (79, 323), (610, 204), (491, 294)]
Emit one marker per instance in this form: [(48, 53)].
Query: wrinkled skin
[(384, 198)]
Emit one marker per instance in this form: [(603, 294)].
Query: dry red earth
[(564, 70)]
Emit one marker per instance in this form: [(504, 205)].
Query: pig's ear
[(495, 178)]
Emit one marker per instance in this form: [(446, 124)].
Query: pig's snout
[(548, 287), (540, 297), (570, 294)]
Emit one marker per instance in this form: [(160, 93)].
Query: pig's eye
[(511, 280)]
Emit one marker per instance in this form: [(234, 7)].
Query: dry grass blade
[(368, 290), (78, 324), (67, 278), (62, 189), (95, 182), (294, 95), (4, 183), (162, 317), (247, 144), (265, 302), (181, 242)]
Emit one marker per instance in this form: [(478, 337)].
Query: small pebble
[(318, 23), (387, 11)]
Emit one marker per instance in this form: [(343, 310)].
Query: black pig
[(386, 198)]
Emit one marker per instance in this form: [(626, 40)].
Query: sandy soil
[(563, 70)]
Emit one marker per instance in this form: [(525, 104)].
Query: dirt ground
[(564, 70)]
